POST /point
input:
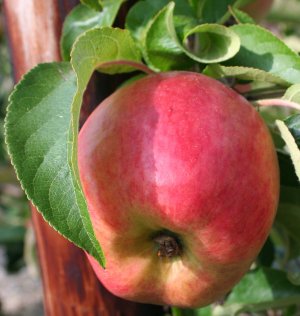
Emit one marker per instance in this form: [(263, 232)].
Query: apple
[(181, 180)]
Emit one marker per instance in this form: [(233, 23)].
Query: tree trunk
[(70, 286)]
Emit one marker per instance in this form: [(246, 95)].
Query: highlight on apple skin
[(181, 180)]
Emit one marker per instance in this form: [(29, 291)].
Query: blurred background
[(20, 286)]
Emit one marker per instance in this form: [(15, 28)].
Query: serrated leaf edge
[(8, 110)]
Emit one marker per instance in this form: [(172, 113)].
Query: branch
[(277, 102)]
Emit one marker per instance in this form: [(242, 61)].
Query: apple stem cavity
[(168, 244)]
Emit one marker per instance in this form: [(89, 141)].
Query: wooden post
[(70, 286)]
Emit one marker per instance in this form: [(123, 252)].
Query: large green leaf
[(211, 43), (216, 43), (105, 49), (262, 50), (83, 18), (42, 128), (37, 126), (140, 16), (109, 50), (143, 20)]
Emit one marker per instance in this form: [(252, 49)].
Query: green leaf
[(244, 73), (144, 20), (105, 49), (82, 18), (262, 50), (37, 126), (290, 141), (93, 4), (217, 11), (216, 43), (165, 34), (241, 17), (214, 10), (260, 289), (110, 9), (163, 51), (140, 16), (42, 128), (212, 43), (293, 93), (108, 50)]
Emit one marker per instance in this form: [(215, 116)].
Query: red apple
[(181, 180)]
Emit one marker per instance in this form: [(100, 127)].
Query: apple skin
[(177, 154)]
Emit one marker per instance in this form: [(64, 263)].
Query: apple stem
[(263, 93), (168, 246), (277, 102)]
